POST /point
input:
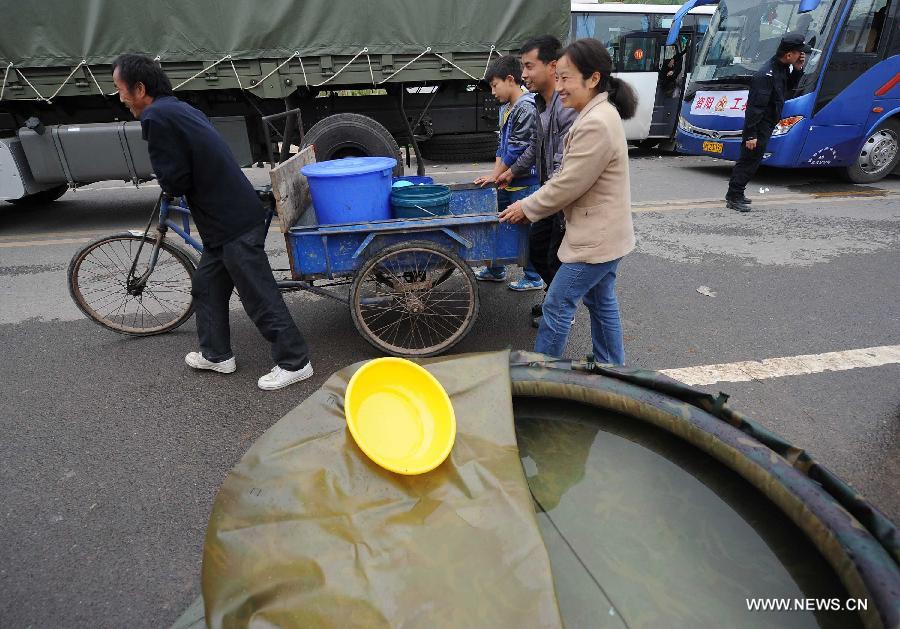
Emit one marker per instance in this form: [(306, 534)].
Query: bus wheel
[(879, 155)]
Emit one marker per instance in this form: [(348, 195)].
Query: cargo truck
[(353, 78)]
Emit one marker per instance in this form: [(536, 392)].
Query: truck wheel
[(879, 155), (353, 135), (44, 196), (468, 147)]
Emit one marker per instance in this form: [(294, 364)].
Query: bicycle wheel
[(98, 276), (414, 299)]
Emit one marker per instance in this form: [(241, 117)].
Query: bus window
[(664, 22), (610, 28), (639, 54), (863, 28)]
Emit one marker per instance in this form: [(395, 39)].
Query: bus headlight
[(684, 125), (786, 124)]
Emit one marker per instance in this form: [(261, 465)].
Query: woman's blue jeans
[(595, 286)]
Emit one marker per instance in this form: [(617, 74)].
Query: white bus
[(635, 35)]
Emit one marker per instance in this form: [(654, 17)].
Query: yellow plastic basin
[(400, 416)]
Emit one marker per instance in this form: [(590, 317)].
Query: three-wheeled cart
[(411, 287), (412, 290)]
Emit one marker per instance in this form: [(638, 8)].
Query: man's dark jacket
[(191, 159), (547, 145), (768, 89)]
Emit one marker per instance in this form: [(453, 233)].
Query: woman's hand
[(514, 214), (483, 181)]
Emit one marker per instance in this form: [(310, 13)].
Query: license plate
[(713, 147)]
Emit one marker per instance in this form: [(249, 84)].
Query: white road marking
[(747, 371)]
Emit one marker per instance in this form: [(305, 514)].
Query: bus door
[(638, 64), (674, 66)]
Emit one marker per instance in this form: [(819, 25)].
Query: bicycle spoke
[(101, 265), (162, 302), (439, 334), (141, 304), (440, 320)]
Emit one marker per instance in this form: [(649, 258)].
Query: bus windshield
[(744, 34)]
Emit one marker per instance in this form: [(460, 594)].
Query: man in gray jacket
[(539, 55)]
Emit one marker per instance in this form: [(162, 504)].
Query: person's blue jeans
[(595, 286), (506, 198)]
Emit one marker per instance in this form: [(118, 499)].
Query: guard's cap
[(793, 41)]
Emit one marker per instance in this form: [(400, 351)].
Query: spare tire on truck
[(467, 147), (353, 135)]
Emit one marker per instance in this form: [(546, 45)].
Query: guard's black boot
[(737, 202)]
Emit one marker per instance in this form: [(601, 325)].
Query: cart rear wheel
[(414, 299)]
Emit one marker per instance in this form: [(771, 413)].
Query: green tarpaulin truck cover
[(55, 33)]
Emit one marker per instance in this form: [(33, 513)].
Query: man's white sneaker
[(279, 378), (197, 361)]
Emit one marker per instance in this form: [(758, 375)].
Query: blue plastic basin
[(352, 190), (414, 179)]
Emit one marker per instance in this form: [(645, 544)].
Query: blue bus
[(845, 112)]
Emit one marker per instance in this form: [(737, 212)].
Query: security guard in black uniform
[(777, 78)]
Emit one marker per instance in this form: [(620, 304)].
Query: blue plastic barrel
[(420, 201), (351, 190)]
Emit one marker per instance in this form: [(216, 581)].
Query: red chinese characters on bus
[(719, 103), (740, 104)]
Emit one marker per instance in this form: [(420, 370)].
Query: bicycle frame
[(165, 222), (167, 207)]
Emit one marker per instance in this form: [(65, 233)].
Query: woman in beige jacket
[(593, 189)]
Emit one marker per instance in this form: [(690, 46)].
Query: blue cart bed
[(412, 290), (471, 231)]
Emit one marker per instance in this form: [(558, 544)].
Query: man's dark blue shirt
[(190, 158)]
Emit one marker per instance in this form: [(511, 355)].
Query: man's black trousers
[(544, 239), (746, 166), (242, 263)]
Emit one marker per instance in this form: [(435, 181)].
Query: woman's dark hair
[(503, 67), (589, 56), (134, 69), (547, 47)]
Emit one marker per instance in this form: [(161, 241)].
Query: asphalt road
[(112, 450)]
